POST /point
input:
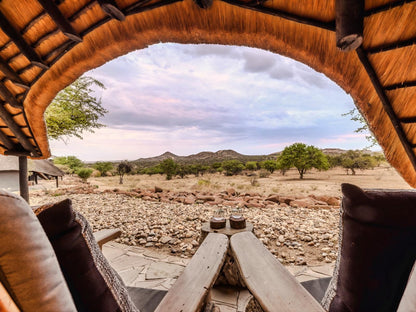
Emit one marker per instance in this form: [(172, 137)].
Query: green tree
[(269, 165), (169, 167), (123, 168), (71, 162), (251, 165), (103, 167), (232, 167), (75, 110), (84, 173), (355, 115), (303, 158), (353, 160)]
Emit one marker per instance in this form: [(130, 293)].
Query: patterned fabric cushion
[(29, 269), (377, 250), (94, 285)]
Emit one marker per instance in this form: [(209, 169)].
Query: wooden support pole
[(24, 186), (57, 181), (20, 42), (9, 97), (60, 20), (23, 140), (204, 4), (110, 7), (349, 17)]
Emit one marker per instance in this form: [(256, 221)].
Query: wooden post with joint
[(23, 184), (349, 23)]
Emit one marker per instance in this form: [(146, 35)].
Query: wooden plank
[(6, 141), (105, 235), (190, 290), (349, 24), (23, 183), (269, 282), (60, 20), (20, 42)]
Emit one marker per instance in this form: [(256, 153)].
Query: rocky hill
[(202, 158)]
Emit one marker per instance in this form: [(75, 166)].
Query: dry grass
[(315, 182)]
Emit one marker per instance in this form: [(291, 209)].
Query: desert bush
[(264, 174), (84, 173), (232, 167), (203, 182), (103, 167), (72, 162), (251, 165), (269, 165), (168, 167)]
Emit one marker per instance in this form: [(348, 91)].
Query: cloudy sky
[(191, 98)]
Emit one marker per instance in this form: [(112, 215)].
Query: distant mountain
[(201, 158)]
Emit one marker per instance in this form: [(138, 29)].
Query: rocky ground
[(297, 230)]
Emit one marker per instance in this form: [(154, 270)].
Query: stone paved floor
[(141, 267)]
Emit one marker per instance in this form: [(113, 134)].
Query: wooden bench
[(190, 290), (106, 235), (269, 282)]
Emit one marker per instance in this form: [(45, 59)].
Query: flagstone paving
[(141, 267)]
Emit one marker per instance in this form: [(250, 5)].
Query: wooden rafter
[(9, 97), (391, 46), (204, 4), (133, 9), (19, 41), (12, 75), (6, 141), (387, 7), (17, 131), (362, 55), (349, 24), (110, 7), (291, 17), (401, 85), (408, 120), (60, 20)]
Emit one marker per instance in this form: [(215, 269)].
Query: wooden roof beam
[(391, 46), (9, 97), (60, 20), (288, 16), (110, 7), (362, 55), (6, 141), (17, 131), (349, 17), (19, 41), (401, 85), (204, 4), (407, 120), (12, 75)]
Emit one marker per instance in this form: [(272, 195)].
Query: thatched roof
[(44, 166), (45, 45)]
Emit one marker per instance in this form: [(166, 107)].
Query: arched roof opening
[(46, 45)]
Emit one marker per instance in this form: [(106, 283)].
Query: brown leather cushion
[(29, 269), (94, 285), (377, 250)]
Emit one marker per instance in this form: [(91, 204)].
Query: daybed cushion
[(94, 285), (29, 269), (377, 250)]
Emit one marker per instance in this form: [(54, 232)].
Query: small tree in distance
[(123, 168), (103, 167), (303, 158), (84, 173), (168, 167), (269, 165), (232, 167)]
